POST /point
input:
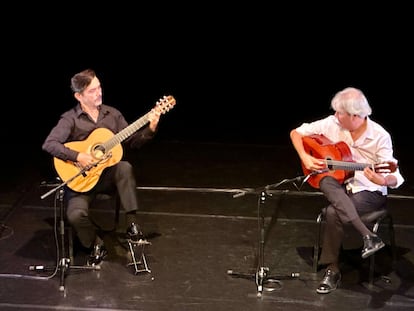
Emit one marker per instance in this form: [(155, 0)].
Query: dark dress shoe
[(329, 282), (372, 243), (98, 254), (134, 234)]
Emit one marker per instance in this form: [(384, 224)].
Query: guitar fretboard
[(347, 166), (126, 132)]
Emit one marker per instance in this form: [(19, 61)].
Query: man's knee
[(330, 212), (124, 168), (327, 181), (75, 216)]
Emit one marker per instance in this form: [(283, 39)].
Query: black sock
[(131, 217), (334, 267)]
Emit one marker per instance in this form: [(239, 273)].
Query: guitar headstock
[(165, 104), (386, 167)]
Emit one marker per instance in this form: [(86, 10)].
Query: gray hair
[(352, 101)]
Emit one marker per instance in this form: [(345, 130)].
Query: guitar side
[(67, 170), (321, 147)]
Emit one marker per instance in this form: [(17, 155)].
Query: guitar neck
[(347, 166), (126, 132)]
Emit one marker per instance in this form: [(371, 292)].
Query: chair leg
[(117, 210), (316, 246), (371, 269), (70, 245), (392, 239), (389, 220)]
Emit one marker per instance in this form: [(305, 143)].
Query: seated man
[(68, 142), (365, 191)]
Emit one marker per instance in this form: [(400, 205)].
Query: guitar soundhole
[(98, 152)]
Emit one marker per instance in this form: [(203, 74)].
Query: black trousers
[(343, 208), (119, 177)]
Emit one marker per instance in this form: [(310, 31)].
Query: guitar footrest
[(137, 255)]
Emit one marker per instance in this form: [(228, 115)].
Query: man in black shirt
[(68, 143)]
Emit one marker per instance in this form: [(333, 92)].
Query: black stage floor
[(213, 228)]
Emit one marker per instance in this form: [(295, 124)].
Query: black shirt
[(76, 125)]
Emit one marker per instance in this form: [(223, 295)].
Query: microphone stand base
[(264, 282)]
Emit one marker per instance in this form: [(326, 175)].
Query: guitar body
[(86, 181), (322, 148)]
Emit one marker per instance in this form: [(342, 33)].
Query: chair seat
[(374, 216), (369, 217)]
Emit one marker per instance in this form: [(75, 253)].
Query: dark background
[(239, 73)]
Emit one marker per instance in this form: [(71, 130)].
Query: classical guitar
[(338, 158), (105, 147)]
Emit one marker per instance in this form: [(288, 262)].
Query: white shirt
[(373, 147)]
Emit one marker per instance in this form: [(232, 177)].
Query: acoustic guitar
[(105, 147), (338, 159)]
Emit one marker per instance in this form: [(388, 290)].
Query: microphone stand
[(261, 276), (63, 263)]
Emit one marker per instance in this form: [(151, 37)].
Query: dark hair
[(80, 81)]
